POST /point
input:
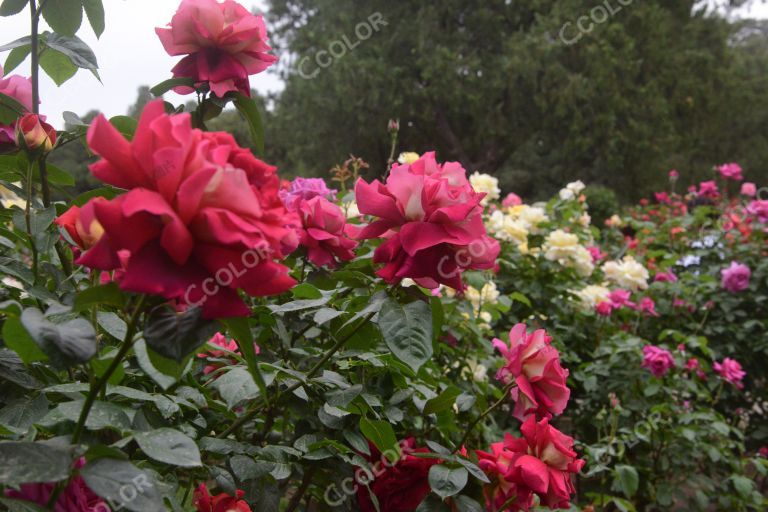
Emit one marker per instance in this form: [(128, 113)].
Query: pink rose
[(229, 347), (20, 89), (647, 307), (665, 277), (673, 174), (304, 189), (735, 278), (431, 220), (662, 197), (512, 199), (731, 171), (325, 232), (658, 360), (748, 189), (730, 370), (542, 462), (76, 496), (620, 298), (693, 365), (604, 308), (200, 220), (596, 253), (759, 209), (223, 42), (533, 364), (709, 189)]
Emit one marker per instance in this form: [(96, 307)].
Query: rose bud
[(35, 134), (393, 126)]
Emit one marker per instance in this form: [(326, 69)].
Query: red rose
[(400, 487), (431, 219), (222, 502), (201, 218)]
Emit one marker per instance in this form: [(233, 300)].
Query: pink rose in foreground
[(223, 42), (658, 360), (512, 199), (200, 220), (304, 189), (709, 189), (731, 371), (731, 171), (533, 364), (325, 232), (542, 462), (735, 278), (759, 209), (432, 223), (20, 89), (748, 189), (76, 496)]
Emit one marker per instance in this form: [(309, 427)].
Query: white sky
[(130, 55)]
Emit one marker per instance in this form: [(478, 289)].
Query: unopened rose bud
[(34, 134), (673, 175), (393, 126)]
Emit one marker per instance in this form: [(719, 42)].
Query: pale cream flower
[(487, 184), (507, 228), (627, 273), (408, 157), (8, 198), (592, 295), (352, 210), (615, 221)]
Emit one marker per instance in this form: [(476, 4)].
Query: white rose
[(485, 183), (627, 273)]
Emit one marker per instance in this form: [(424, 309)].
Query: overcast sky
[(129, 55)]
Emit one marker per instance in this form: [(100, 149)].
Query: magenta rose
[(304, 189), (325, 232), (223, 42), (709, 189), (432, 223), (735, 278), (759, 209), (658, 360), (731, 171), (542, 462), (512, 199), (665, 277), (730, 370), (647, 306), (20, 89), (533, 364), (200, 220)]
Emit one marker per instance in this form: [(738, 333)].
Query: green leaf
[(743, 485), (467, 504), (165, 372), (407, 331), (58, 176), (23, 462), (16, 43), (167, 85), (12, 369), (75, 48), (57, 66), (19, 416), (63, 16), (11, 7), (177, 335), (102, 415), (16, 337), (627, 479), (250, 111), (117, 480), (125, 125), (242, 334), (443, 401), (169, 446), (16, 57), (10, 109), (446, 481), (109, 294), (236, 385), (94, 9), (473, 469), (66, 344), (381, 434)]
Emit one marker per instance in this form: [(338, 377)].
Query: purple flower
[(304, 189), (736, 277)]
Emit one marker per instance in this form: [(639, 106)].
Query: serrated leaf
[(115, 480), (63, 16), (16, 57), (407, 331), (25, 462), (381, 434), (94, 9), (446, 481), (57, 66), (11, 7), (169, 446), (250, 111)]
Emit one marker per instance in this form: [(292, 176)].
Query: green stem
[(485, 413), (28, 222), (34, 13), (116, 362), (239, 422)]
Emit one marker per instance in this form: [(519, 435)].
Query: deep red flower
[(221, 502)]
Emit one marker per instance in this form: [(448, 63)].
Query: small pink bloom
[(647, 307), (229, 347), (709, 189), (731, 171), (759, 209), (604, 308), (730, 370), (673, 174), (665, 277), (658, 360), (596, 253), (512, 199), (735, 278), (748, 189), (432, 222), (533, 364), (223, 42), (620, 298), (325, 232), (693, 365), (304, 189), (662, 197)]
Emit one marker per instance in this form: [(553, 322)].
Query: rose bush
[(198, 334)]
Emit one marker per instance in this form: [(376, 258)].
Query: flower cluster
[(566, 249)]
